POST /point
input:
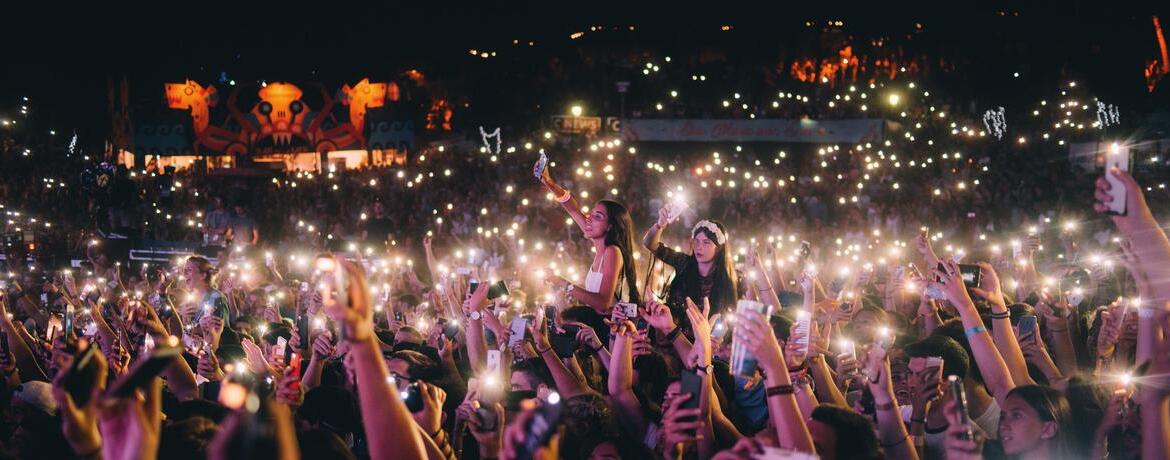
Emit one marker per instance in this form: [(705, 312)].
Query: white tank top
[(593, 281)]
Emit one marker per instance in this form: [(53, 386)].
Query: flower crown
[(710, 227)]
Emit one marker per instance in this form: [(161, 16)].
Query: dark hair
[(418, 365), (855, 433), (1050, 406), (187, 439), (621, 234), (782, 325), (1087, 401), (726, 279), (537, 368), (332, 407), (955, 359), (322, 443), (953, 329), (587, 418)]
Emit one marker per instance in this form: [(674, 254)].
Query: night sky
[(61, 56)]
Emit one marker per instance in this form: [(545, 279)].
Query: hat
[(37, 394)]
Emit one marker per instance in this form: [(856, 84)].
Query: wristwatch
[(708, 369), (475, 315), (569, 289)]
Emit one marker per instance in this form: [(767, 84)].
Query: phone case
[(1116, 157), (540, 166)]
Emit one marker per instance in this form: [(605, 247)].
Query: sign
[(577, 124), (762, 130), (613, 124)]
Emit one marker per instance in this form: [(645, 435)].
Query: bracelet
[(887, 446), (918, 420), (884, 406), (779, 390), (974, 330), (673, 334), (929, 430), (541, 352), (564, 198), (1004, 315)]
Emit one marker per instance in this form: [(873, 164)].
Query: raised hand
[(958, 445), (989, 287), (79, 424), (680, 427), (356, 319), (430, 418), (657, 316), (756, 333), (1137, 213)]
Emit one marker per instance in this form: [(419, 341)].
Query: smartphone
[(4, 342), (493, 363), (961, 399), (294, 367), (334, 280), (630, 310), (674, 210), (80, 375), (719, 329), (281, 348), (1116, 157), (565, 344), (972, 275), (145, 370), (398, 316), (1028, 327), (497, 290), (304, 332), (690, 383), (451, 330), (540, 166), (803, 325), (69, 317), (743, 362), (519, 327), (412, 397), (550, 317), (805, 250), (544, 425)]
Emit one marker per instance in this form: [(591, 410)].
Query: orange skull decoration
[(191, 96), (280, 112), (361, 96)]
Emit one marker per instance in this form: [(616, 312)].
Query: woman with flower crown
[(708, 272)]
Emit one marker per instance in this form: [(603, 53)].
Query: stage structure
[(279, 125)]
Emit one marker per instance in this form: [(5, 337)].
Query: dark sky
[(61, 55)]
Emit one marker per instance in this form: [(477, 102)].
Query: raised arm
[(654, 233), (385, 417), (1002, 333), (1142, 230), (621, 381), (891, 429), (757, 335), (568, 385), (995, 372), (568, 203)]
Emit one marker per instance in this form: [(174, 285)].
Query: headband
[(711, 228)]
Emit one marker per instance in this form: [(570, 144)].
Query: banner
[(764, 130), (577, 124)]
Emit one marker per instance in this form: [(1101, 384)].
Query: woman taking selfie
[(708, 272), (609, 227)]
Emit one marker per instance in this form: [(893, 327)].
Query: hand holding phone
[(1116, 157)]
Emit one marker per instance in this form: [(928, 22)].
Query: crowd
[(933, 294)]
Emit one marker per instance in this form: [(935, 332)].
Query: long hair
[(723, 267), (1050, 406), (621, 234)]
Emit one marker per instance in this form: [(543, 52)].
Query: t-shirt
[(215, 219), (242, 227), (377, 228), (214, 301)]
